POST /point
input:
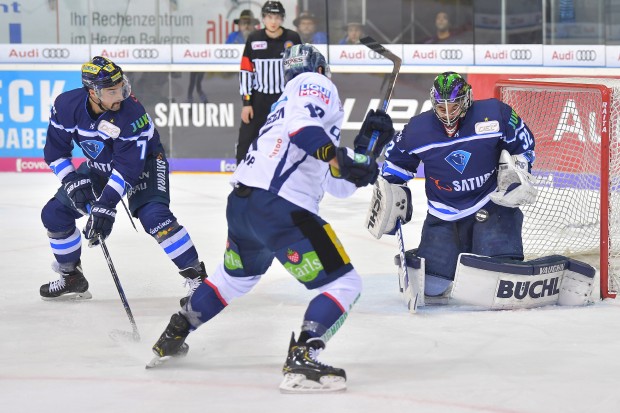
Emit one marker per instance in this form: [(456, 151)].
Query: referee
[(261, 79)]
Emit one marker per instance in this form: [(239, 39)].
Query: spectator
[(246, 23), (306, 27), (355, 31), (442, 30)]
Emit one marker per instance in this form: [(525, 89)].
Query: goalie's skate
[(171, 343), (304, 374), (70, 286)]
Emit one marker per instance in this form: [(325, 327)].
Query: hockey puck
[(482, 215)]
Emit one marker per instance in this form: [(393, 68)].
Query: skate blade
[(157, 361), (86, 295), (297, 383)]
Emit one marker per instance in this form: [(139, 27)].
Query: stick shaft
[(396, 61), (119, 287)]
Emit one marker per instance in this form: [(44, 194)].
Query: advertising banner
[(196, 113), (25, 102)]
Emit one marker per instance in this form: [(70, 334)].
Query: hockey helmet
[(273, 7), (100, 73), (451, 97), (302, 58)]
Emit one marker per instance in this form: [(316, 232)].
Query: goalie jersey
[(461, 171), (306, 118), (116, 143)]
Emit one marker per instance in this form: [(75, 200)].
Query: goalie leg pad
[(389, 202), (577, 284), (493, 283)]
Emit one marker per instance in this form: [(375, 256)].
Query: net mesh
[(567, 117)]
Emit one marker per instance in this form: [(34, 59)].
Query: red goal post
[(576, 125)]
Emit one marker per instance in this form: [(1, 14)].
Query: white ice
[(58, 356)]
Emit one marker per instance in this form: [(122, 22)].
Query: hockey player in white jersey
[(272, 212)]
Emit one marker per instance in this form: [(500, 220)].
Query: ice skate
[(71, 285), (304, 374), (193, 279), (171, 343)]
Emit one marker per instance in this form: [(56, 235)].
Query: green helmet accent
[(450, 87)]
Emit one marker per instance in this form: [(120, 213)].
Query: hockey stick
[(404, 281), (396, 61), (129, 215), (135, 336)]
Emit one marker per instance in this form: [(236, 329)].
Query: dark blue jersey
[(116, 143), (460, 171)]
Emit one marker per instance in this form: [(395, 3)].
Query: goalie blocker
[(389, 203), (495, 284)]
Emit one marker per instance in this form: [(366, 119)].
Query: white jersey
[(274, 163)]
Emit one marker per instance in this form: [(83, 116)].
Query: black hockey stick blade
[(396, 61)]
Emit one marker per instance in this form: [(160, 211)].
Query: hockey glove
[(80, 190), (100, 222), (514, 182), (374, 121), (354, 167)]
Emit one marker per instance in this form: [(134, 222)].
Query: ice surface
[(59, 357)]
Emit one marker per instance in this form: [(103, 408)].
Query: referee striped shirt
[(261, 64)]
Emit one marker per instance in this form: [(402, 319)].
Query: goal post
[(576, 125)]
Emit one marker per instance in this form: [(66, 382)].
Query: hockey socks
[(205, 303), (323, 318)]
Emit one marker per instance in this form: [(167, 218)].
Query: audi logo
[(374, 55), (585, 55), (145, 53), (55, 53), (451, 54), (521, 54), (226, 53)]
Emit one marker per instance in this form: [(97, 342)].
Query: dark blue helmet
[(302, 58), (100, 73)]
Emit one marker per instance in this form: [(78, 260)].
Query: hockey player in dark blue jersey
[(477, 158), (124, 157)]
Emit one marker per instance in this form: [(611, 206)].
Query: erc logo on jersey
[(458, 160), (109, 129), (486, 127), (260, 45), (92, 148)]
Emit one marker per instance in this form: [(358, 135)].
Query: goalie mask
[(451, 97), (302, 58), (101, 73)]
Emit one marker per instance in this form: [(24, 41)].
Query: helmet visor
[(112, 93)]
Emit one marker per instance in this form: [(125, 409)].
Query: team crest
[(92, 148), (458, 160)]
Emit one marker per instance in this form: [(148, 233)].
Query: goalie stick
[(396, 61)]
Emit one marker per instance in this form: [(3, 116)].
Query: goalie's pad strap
[(389, 202), (490, 283)]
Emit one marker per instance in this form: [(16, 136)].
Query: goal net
[(576, 125)]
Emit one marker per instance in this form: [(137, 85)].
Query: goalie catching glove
[(514, 182), (389, 203), (359, 169)]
